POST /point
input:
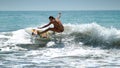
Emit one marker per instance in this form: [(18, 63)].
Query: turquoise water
[(15, 20), (91, 40)]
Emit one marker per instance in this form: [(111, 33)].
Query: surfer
[(58, 27)]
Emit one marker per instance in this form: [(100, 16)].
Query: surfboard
[(39, 38), (35, 32), (44, 38)]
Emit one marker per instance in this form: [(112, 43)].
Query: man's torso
[(58, 25)]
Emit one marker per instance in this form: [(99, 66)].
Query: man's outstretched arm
[(59, 15), (44, 26)]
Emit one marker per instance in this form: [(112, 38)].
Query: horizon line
[(62, 10)]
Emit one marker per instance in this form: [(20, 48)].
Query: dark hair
[(51, 17)]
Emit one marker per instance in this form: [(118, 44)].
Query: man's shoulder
[(57, 19)]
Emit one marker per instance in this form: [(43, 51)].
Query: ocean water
[(91, 40)]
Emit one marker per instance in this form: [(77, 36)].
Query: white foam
[(51, 43), (19, 37), (93, 29), (95, 32)]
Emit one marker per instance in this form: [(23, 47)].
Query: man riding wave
[(58, 27)]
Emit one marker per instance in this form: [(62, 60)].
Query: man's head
[(51, 18)]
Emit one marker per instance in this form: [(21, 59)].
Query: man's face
[(51, 20)]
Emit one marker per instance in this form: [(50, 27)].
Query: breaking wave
[(88, 34), (94, 34)]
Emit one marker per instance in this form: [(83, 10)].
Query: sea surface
[(91, 40)]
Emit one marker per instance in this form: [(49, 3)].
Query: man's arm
[(45, 26), (59, 15)]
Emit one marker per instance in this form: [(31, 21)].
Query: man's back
[(58, 25)]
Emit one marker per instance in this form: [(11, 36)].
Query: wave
[(89, 34), (95, 35)]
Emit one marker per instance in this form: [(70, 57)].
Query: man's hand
[(59, 13)]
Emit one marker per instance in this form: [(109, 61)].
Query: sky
[(48, 5)]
